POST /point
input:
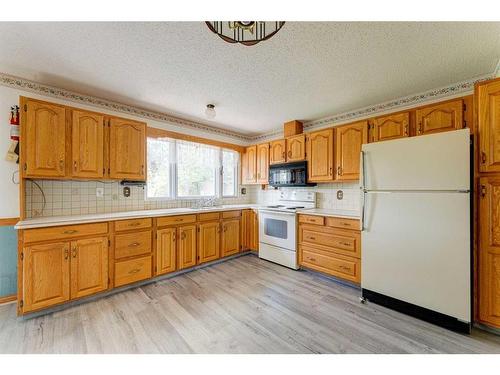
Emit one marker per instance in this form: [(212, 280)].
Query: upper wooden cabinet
[(127, 149), (277, 152), (391, 127), (489, 251), (263, 163), (348, 142), (249, 165), (488, 112), (440, 118), (44, 139), (296, 148), (88, 145), (320, 155)]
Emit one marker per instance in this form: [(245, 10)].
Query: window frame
[(219, 176)]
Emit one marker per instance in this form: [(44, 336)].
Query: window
[(181, 169)]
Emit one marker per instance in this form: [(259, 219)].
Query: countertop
[(53, 221), (344, 214)]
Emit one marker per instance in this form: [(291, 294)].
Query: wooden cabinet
[(165, 250), (489, 251), (89, 266), (46, 275), (249, 165), (488, 112), (348, 142), (44, 139), (87, 133), (230, 237), (187, 246), (320, 155), (132, 270), (127, 149), (391, 127), (296, 148), (263, 163), (440, 117), (209, 241), (277, 152)]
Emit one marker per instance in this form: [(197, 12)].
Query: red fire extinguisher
[(14, 121)]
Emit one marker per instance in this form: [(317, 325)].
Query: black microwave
[(289, 174)]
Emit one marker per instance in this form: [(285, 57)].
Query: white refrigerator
[(416, 226)]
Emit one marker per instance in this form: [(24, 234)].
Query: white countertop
[(53, 221), (344, 214)]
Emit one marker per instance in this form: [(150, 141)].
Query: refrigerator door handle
[(362, 185), (363, 211)]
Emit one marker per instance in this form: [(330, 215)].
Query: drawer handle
[(346, 224), (312, 259), (134, 224), (312, 238), (131, 272), (345, 243), (345, 268), (134, 244), (71, 231), (177, 220)]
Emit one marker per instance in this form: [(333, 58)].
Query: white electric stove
[(278, 227)]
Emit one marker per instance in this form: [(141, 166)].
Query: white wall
[(9, 192)]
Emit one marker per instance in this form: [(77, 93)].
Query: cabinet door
[(230, 237), (165, 250), (254, 231), (87, 135), (127, 145), (263, 163), (320, 155), (250, 165), (440, 118), (277, 152), (489, 251), (488, 111), (208, 242), (89, 266), (46, 272), (187, 246), (348, 142), (45, 140), (391, 127), (246, 218), (296, 148)]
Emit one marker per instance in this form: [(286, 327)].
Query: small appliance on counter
[(289, 174), (278, 227)]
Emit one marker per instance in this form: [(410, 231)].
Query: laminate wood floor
[(244, 305)]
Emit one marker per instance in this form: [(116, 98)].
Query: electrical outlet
[(340, 195), (99, 192)]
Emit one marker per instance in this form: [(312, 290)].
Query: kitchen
[(382, 213)]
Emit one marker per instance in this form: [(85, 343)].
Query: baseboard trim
[(124, 288), (8, 299), (487, 328), (331, 278), (419, 312)]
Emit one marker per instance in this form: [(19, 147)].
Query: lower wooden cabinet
[(230, 237), (132, 270), (209, 241), (186, 247), (165, 250), (489, 251), (250, 230), (57, 272), (89, 266)]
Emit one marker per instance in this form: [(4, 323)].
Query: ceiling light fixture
[(210, 111), (247, 33)]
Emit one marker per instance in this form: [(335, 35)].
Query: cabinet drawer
[(63, 232), (123, 225), (343, 223), (209, 216), (175, 220), (334, 240), (336, 265), (132, 244), (129, 271), (311, 219), (230, 214)]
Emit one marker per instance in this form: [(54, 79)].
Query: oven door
[(278, 229)]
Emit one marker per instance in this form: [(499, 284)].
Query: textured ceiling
[(307, 71)]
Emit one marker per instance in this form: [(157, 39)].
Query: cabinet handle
[(134, 224), (483, 157), (312, 238), (312, 259), (406, 129), (225, 228), (70, 231), (61, 164), (66, 254), (345, 243), (25, 166), (75, 166), (346, 224), (135, 270), (74, 252), (420, 128), (134, 244), (345, 268), (290, 154), (331, 171), (339, 170), (183, 236), (483, 191), (142, 169), (283, 155)]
